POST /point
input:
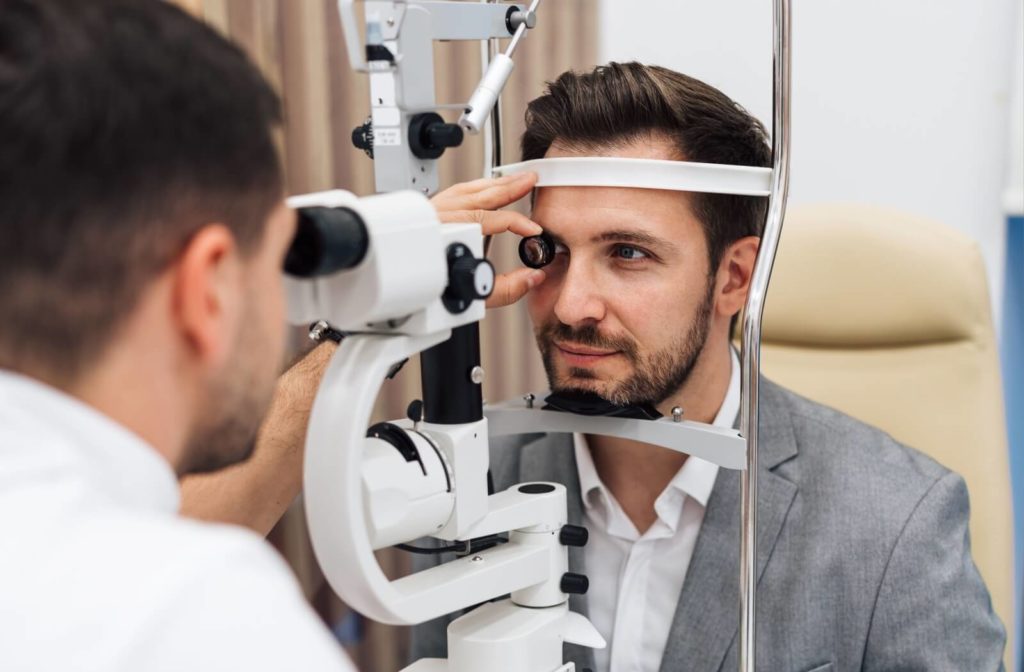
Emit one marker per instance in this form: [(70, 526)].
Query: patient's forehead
[(566, 211)]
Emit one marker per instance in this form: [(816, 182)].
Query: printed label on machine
[(387, 137)]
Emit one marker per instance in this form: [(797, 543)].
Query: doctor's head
[(143, 221), (645, 283)]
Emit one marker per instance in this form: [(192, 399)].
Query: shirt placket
[(627, 647)]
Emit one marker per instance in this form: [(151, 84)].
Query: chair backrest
[(886, 317)]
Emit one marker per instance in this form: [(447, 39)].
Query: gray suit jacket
[(863, 554)]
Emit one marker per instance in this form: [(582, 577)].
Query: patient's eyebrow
[(634, 236)]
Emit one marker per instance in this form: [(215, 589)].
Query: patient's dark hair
[(620, 103), (125, 126)]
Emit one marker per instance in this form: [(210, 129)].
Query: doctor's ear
[(735, 270), (208, 293)]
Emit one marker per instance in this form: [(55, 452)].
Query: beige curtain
[(299, 47)]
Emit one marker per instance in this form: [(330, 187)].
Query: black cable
[(455, 548), (465, 547)]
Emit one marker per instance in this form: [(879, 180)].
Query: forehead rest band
[(604, 171)]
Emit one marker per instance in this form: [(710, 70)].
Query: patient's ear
[(734, 272)]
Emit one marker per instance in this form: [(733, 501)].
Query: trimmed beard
[(655, 377)]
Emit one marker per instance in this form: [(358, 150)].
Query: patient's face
[(626, 306)]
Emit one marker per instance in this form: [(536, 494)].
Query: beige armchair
[(886, 316)]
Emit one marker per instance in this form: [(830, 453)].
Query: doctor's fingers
[(493, 222), (486, 193), (510, 287)]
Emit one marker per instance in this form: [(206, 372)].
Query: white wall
[(1013, 200), (903, 103)]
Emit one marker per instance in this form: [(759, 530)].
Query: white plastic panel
[(606, 171), (724, 447)]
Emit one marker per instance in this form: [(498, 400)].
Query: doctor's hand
[(478, 201)]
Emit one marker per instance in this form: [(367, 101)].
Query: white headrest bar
[(605, 171)]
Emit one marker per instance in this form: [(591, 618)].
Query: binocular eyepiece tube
[(327, 240)]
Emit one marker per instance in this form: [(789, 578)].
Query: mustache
[(588, 335)]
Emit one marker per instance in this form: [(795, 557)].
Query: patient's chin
[(603, 381), (580, 381), (576, 374)]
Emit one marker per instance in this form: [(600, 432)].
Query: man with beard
[(141, 332), (863, 551)]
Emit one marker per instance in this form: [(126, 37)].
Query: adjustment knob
[(429, 135), (574, 584), (472, 278), (444, 135), (469, 279), (573, 535), (362, 137)]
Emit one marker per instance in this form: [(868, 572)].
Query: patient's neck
[(637, 473)]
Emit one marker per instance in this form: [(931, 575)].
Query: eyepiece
[(327, 240), (537, 251)]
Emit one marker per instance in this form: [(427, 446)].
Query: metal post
[(751, 355), (492, 48), (492, 133)]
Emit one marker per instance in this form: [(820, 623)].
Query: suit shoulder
[(506, 454), (834, 446)]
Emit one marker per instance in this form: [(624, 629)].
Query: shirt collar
[(730, 407), (695, 478), (43, 429)]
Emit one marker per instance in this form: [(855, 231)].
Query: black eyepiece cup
[(327, 240)]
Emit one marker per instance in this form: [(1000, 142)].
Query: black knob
[(429, 136), (362, 137), (573, 535), (415, 410), (469, 279), (444, 135), (472, 278), (574, 584)]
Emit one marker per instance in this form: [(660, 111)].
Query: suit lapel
[(706, 621), (551, 458)]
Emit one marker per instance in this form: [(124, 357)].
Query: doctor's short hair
[(125, 126), (620, 103)]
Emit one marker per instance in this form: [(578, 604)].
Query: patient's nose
[(579, 299)]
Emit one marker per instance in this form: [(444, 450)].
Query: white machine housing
[(402, 277)]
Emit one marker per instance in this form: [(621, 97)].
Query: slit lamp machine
[(383, 270)]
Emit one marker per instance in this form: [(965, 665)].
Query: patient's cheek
[(541, 300)]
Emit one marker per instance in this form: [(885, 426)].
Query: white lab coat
[(98, 572)]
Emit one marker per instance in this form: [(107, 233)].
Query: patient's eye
[(630, 253)]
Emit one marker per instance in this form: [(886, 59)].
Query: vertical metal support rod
[(492, 134), (751, 355)]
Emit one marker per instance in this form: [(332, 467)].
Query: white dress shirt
[(635, 579), (98, 572)]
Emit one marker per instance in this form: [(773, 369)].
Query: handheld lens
[(537, 251)]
